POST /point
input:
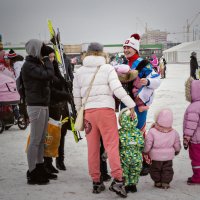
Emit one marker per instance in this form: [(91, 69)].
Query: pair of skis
[(55, 39)]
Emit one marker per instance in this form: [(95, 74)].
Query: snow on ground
[(75, 183)]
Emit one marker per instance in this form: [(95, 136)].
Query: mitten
[(186, 140)]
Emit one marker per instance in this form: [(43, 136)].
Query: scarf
[(161, 128), (132, 59)]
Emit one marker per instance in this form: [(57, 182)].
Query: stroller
[(9, 99)]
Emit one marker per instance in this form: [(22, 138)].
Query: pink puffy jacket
[(191, 122), (162, 143)]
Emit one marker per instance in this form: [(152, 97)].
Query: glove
[(53, 40), (45, 59), (186, 140), (185, 143)]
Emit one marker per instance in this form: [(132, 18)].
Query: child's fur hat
[(130, 76)]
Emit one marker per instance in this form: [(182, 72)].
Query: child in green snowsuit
[(131, 147)]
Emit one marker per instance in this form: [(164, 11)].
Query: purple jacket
[(191, 122), (162, 141)]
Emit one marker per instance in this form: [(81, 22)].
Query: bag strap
[(90, 86)]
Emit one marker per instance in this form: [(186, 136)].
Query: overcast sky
[(105, 21)]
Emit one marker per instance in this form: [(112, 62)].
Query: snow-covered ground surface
[(75, 183)]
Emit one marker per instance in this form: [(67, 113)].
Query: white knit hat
[(133, 41)]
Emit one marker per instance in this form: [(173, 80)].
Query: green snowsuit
[(131, 147)]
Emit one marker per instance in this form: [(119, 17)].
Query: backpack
[(20, 86)]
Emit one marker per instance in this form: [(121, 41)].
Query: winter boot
[(48, 165), (43, 172), (131, 188), (118, 187), (158, 184), (34, 177), (60, 164), (145, 169), (98, 187), (165, 186), (105, 177), (60, 159)]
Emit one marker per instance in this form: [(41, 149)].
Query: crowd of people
[(140, 152), (127, 84)]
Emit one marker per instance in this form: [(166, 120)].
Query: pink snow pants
[(194, 152), (98, 123)]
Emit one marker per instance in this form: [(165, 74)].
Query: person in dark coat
[(68, 67), (58, 107), (193, 65), (37, 72)]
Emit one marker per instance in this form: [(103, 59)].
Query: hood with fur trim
[(192, 88), (195, 88), (188, 89)]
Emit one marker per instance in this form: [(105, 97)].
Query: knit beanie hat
[(94, 46), (11, 54), (133, 41)]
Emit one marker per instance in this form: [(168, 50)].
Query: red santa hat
[(133, 41)]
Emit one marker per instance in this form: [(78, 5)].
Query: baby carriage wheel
[(22, 123), (2, 126)]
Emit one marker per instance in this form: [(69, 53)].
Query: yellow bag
[(198, 73), (52, 139)]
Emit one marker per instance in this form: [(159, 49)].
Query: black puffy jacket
[(36, 78)]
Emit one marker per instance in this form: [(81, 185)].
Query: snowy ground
[(75, 183)]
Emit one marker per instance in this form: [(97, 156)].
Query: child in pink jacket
[(162, 143), (154, 62), (191, 128)]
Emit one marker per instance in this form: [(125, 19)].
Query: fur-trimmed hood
[(192, 88), (188, 89)]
